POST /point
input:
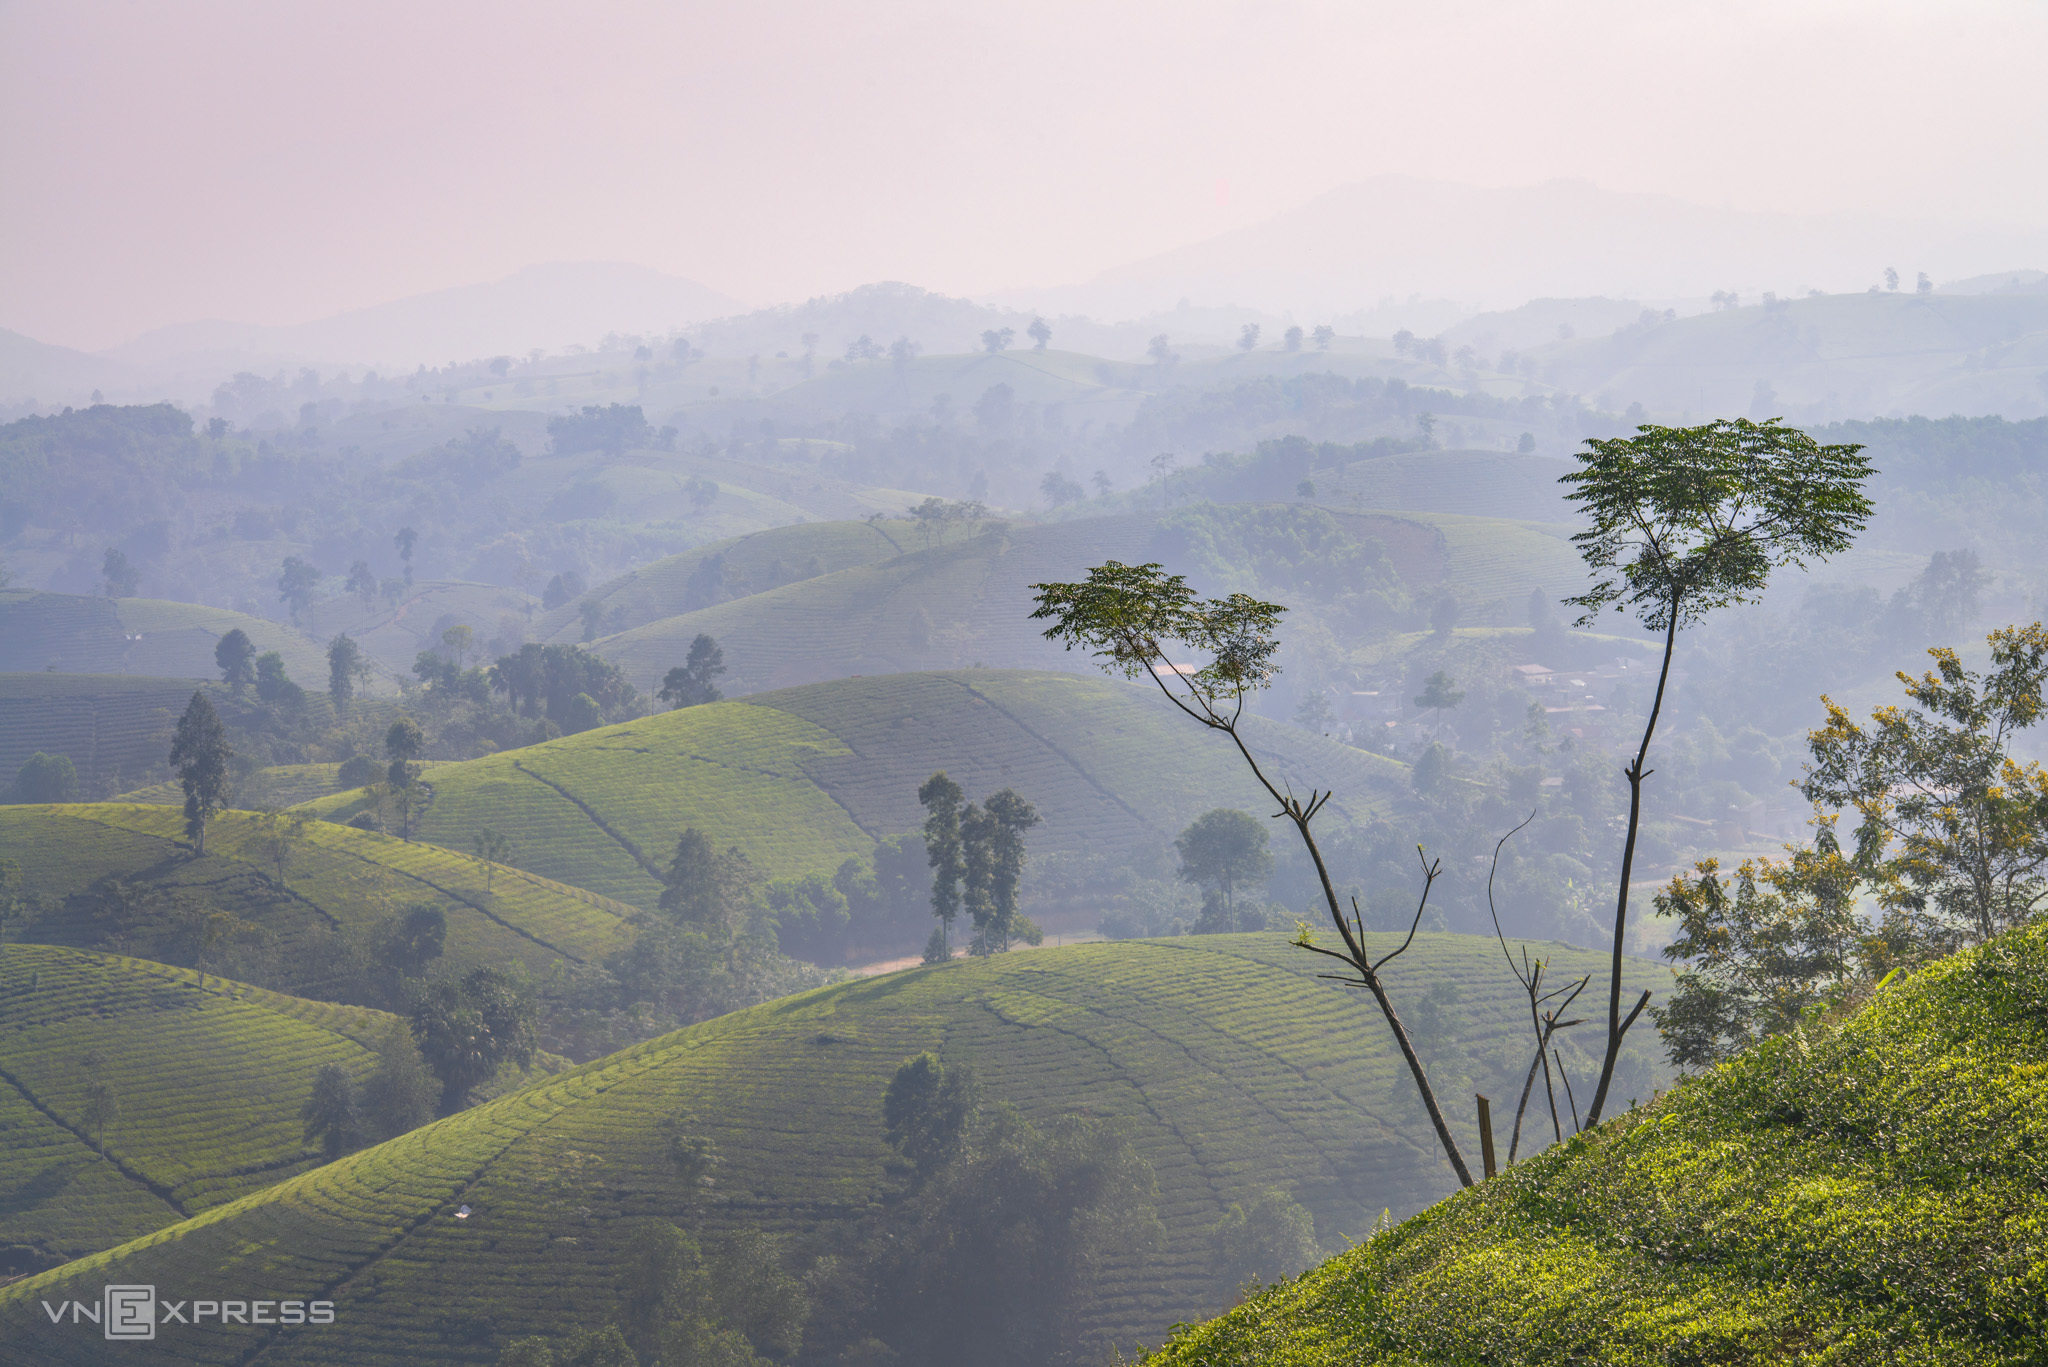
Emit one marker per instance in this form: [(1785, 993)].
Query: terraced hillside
[(121, 877), (1235, 1067), (279, 785), (970, 602), (109, 726), (805, 778), (70, 634), (393, 634), (1867, 1191), (735, 567), (207, 1080)]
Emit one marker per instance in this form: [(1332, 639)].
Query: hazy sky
[(276, 162)]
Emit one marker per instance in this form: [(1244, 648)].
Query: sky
[(279, 162)]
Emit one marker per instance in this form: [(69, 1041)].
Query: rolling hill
[(970, 602), (1235, 1068), (120, 877), (208, 1078), (70, 634), (1865, 1191), (805, 778)]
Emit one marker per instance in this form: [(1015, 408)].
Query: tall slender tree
[(941, 799), (200, 754), (1685, 520), (1009, 816), (346, 668), (235, 653)]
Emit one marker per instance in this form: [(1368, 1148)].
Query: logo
[(132, 1312)]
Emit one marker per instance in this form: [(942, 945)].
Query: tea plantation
[(1868, 1191), (122, 877), (804, 778), (71, 634), (1235, 1067)]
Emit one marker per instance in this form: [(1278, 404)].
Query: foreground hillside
[(120, 876), (805, 778), (71, 634), (1862, 1194), (1234, 1066), (207, 1081)]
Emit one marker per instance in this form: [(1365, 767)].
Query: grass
[(208, 1079), (72, 634), (1234, 1065), (804, 778), (338, 880), (1866, 1191)]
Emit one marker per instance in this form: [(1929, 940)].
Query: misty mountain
[(37, 370), (549, 306), (1399, 236)]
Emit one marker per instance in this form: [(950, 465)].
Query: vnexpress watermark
[(134, 1312)]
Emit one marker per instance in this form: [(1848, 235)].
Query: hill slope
[(1235, 1067), (72, 634), (805, 778), (339, 882), (1867, 1193)]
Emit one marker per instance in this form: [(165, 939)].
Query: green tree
[(702, 493), (1248, 337), (1291, 339), (362, 582), (414, 938), (200, 754), (466, 1030), (275, 686), (941, 799), (1221, 851), (1266, 1239), (235, 653), (400, 1093), (1040, 333), (278, 835), (102, 1108), (996, 340), (1684, 520), (331, 1114), (1323, 336), (297, 582), (122, 578), (704, 889), (1439, 695), (1952, 830), (45, 778), (1758, 951), (492, 849), (346, 667), (236, 658), (927, 1110), (584, 714), (405, 539), (1126, 616), (1009, 816)]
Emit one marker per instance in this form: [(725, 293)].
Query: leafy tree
[(995, 408), (200, 754), (45, 778), (1125, 616), (275, 686), (1159, 352), (1440, 694), (1059, 490), (927, 1111), (941, 798), (1891, 278), (404, 742), (296, 584), (704, 889), (467, 1029), (1291, 339), (331, 1114), (102, 1108), (1759, 950), (400, 1093), (362, 582), (997, 339), (1005, 818), (1323, 336), (1248, 337), (492, 849), (864, 348), (1443, 616), (611, 428), (695, 680), (235, 653), (405, 539), (1221, 851), (1952, 831), (414, 939), (1040, 333), (544, 680), (701, 492), (1685, 520), (1266, 1239), (278, 834), (346, 667), (583, 715), (565, 587), (122, 578), (902, 352), (458, 641)]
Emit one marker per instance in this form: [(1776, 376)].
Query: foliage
[(331, 1114), (1857, 1190), (610, 428), (466, 1029), (928, 1110), (235, 654), (45, 778), (941, 798), (1268, 1238), (1952, 830), (346, 668), (200, 754), (694, 681), (1220, 851), (545, 681)]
